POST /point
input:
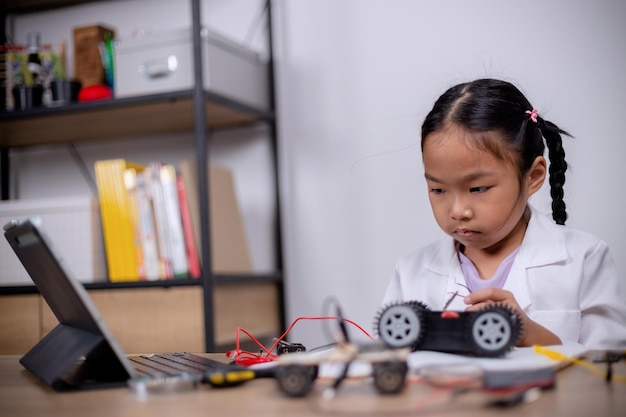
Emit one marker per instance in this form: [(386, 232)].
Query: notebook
[(81, 352)]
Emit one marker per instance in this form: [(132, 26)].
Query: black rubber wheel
[(294, 380), (420, 305), (389, 377), (493, 331), (400, 325)]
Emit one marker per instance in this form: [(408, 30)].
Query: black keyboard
[(170, 364)]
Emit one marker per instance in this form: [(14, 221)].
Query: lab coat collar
[(541, 246)]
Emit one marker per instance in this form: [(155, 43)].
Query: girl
[(482, 149)]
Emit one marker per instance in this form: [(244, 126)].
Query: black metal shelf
[(30, 6), (195, 110)]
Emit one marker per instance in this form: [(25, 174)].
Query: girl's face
[(476, 197)]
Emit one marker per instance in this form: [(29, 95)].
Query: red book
[(190, 242)]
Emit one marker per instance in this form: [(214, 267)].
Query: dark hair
[(492, 105)]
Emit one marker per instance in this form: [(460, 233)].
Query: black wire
[(342, 325), (329, 302), (323, 347)]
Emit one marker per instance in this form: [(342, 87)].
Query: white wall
[(357, 77), (355, 80)]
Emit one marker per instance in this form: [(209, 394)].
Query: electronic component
[(267, 354), (287, 347)]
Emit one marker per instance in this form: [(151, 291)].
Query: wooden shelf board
[(119, 119), (220, 279)]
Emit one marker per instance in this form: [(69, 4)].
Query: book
[(229, 244), (190, 242), (130, 182), (117, 226), (178, 252), (151, 221), (189, 178), (161, 222), (147, 228)]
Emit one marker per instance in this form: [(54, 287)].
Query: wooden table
[(579, 392)]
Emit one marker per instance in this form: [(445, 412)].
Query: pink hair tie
[(533, 114)]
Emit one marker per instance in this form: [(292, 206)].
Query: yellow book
[(130, 181), (117, 224)]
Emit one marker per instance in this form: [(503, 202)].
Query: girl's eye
[(478, 189), (437, 190)]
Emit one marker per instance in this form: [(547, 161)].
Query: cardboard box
[(163, 62), (72, 225), (88, 67)]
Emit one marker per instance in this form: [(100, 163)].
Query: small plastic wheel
[(400, 325), (493, 331), (389, 377), (294, 380)]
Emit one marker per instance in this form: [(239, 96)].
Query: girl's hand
[(532, 334)]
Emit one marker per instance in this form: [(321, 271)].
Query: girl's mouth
[(465, 233)]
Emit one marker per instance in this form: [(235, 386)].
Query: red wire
[(248, 358)]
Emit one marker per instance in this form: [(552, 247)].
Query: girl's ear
[(536, 175)]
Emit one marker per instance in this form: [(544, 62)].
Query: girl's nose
[(460, 210)]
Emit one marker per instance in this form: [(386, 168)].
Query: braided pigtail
[(552, 134)]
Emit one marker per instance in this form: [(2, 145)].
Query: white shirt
[(564, 279)]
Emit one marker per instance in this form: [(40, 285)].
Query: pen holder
[(64, 92), (26, 98)]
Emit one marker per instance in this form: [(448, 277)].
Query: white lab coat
[(564, 279)]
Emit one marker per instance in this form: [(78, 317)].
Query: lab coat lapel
[(446, 277), (517, 283), (540, 247)]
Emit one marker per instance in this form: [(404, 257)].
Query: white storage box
[(163, 62), (72, 226)]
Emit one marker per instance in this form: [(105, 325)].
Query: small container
[(64, 92), (163, 62), (27, 98)]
